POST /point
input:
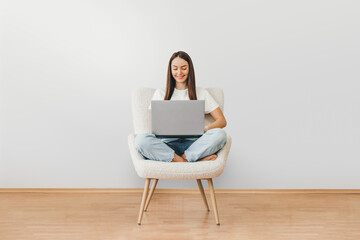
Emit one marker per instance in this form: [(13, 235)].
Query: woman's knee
[(143, 141), (219, 135)]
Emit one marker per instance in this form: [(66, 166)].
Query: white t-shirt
[(201, 94)]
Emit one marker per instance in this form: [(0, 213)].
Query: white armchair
[(207, 170)]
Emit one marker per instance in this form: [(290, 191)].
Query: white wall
[(289, 70)]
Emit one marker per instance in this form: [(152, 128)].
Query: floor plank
[(179, 216)]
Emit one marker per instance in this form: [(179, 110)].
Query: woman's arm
[(220, 121)]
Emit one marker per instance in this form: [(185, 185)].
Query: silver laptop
[(178, 118)]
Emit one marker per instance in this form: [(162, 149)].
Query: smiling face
[(180, 70)]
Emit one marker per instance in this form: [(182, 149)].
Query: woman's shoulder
[(200, 91)]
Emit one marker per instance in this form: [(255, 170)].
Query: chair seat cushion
[(178, 170)]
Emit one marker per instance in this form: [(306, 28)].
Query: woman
[(181, 86)]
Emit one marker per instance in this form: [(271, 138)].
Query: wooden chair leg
[(145, 193), (203, 194), (153, 186), (212, 194)]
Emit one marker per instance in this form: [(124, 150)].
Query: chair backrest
[(141, 99)]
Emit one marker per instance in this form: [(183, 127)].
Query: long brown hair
[(190, 81)]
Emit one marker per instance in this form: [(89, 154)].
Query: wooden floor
[(174, 215)]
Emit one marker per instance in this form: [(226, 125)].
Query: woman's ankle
[(177, 158)]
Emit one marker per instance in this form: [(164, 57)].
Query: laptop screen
[(178, 118)]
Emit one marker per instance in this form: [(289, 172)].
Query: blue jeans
[(163, 149)]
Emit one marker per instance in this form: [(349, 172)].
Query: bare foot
[(177, 158), (208, 158)]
